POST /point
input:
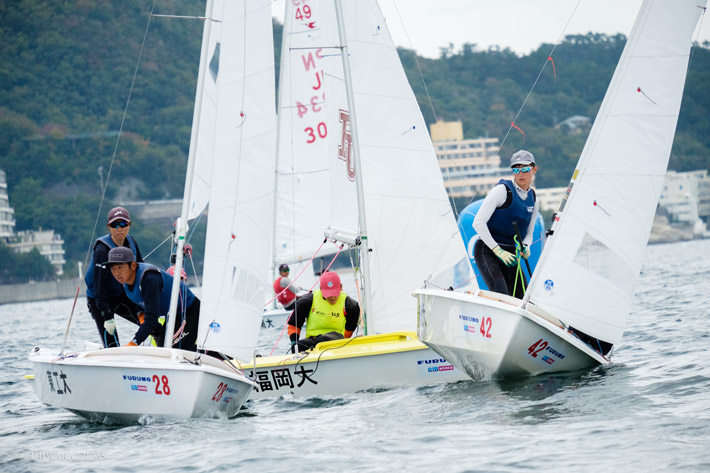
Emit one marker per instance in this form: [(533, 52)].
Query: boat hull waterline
[(345, 366), (489, 337), (128, 385)]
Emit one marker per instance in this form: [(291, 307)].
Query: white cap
[(522, 157)]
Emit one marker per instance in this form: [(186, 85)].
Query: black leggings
[(309, 342), (497, 276), (187, 340), (104, 310)]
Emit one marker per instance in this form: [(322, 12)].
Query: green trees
[(23, 267), (67, 68)]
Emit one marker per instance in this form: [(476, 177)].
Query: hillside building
[(7, 213), (49, 244), (469, 167), (686, 198)]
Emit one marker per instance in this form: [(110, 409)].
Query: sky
[(521, 25)]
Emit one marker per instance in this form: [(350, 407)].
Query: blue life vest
[(519, 211), (135, 294), (116, 288)]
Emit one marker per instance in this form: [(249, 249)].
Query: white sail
[(603, 227), (241, 182), (411, 230), (303, 186)]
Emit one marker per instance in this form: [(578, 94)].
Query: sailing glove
[(110, 326), (505, 256), (525, 253)]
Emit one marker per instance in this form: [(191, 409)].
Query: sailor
[(329, 313), (150, 288), (507, 214), (104, 295), (285, 289)]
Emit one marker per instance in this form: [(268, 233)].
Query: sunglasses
[(120, 224), (523, 170)]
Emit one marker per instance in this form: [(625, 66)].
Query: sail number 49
[(537, 347)]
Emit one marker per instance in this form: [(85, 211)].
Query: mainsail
[(411, 231)]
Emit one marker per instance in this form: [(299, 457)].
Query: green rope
[(519, 270)]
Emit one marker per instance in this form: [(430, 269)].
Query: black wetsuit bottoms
[(187, 338), (309, 342), (497, 276), (104, 310)]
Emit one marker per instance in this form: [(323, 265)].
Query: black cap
[(284, 267), (120, 255), (118, 213)]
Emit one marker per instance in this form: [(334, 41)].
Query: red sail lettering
[(308, 61), (345, 151)]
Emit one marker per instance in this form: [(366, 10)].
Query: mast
[(181, 227), (284, 42), (362, 220)]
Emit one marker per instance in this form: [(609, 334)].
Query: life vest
[(285, 297), (519, 211), (135, 294), (324, 317), (116, 288)]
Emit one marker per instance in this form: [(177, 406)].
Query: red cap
[(330, 284)]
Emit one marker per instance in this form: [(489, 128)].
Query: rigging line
[(299, 274), (311, 290), (118, 138), (159, 245), (416, 60), (547, 59)]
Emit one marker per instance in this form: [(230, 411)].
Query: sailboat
[(232, 148), (356, 166), (575, 309)]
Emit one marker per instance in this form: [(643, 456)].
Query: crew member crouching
[(150, 288)]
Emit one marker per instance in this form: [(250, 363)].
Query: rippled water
[(648, 411)]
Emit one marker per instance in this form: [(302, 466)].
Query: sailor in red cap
[(285, 289), (329, 313)]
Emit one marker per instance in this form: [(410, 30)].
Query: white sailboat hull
[(274, 318), (347, 366), (125, 385), (489, 337)]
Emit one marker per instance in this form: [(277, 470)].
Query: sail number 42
[(537, 347), (486, 324)]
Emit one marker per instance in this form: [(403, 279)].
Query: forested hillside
[(66, 69)]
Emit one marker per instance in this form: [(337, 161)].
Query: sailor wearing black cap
[(150, 288), (104, 296)]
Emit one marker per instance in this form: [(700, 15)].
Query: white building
[(550, 198), (7, 214), (469, 167), (686, 198), (49, 245)]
